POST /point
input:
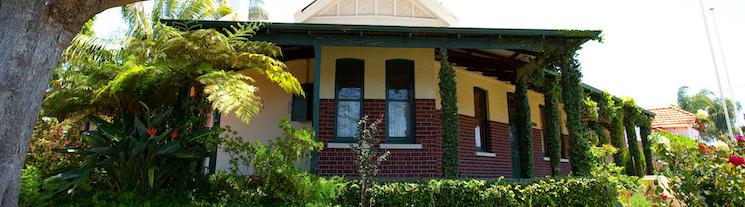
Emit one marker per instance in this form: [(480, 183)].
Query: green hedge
[(474, 193)]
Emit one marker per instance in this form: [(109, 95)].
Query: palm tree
[(707, 101)]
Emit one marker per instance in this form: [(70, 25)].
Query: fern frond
[(241, 31), (231, 92)]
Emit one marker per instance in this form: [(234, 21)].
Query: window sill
[(486, 154), (382, 146), (400, 146), (549, 159)]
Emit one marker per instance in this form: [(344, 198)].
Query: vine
[(553, 126), (573, 96), (524, 128), (645, 128), (448, 117), (617, 131), (631, 117)]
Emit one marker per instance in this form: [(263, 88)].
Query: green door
[(514, 145)]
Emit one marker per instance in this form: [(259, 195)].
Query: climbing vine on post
[(524, 128), (573, 97), (645, 128), (617, 131), (448, 117), (553, 126), (631, 117)]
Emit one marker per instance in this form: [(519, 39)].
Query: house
[(675, 120), (380, 58)]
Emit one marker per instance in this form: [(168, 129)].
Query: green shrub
[(701, 175), (31, 180), (541, 192)]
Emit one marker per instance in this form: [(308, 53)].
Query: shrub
[(540, 192), (701, 175), (276, 180)]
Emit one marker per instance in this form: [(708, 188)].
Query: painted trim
[(337, 145), (561, 160), (486, 154), (400, 146), (316, 101)]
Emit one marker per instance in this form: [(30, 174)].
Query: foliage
[(617, 131), (136, 154), (49, 136), (702, 175), (524, 129), (632, 115), (448, 117), (276, 180), (706, 100), (645, 129), (368, 156), (31, 182), (573, 96), (541, 192), (553, 127), (160, 69), (613, 175)]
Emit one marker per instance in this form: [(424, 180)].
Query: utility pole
[(724, 63), (716, 71)]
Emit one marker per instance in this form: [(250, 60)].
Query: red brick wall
[(480, 166), (402, 163), (543, 167)]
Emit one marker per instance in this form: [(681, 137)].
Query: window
[(349, 97), (400, 101), (481, 112)]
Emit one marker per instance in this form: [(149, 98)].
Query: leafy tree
[(707, 101)]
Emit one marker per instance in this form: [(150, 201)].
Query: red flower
[(703, 148), (174, 133), (152, 131), (663, 196), (740, 138), (737, 161)]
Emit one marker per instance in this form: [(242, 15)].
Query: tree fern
[(231, 92)]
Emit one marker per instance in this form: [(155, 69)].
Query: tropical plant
[(141, 154), (161, 71)]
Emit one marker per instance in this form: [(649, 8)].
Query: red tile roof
[(669, 117)]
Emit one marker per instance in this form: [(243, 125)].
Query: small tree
[(368, 155)]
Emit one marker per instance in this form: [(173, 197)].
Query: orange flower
[(174, 134), (152, 131)]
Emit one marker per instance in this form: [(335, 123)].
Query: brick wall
[(475, 166), (402, 163), (543, 167)]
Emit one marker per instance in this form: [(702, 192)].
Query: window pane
[(349, 115), (399, 74), (398, 119), (349, 75)]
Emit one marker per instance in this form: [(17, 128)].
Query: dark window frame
[(485, 132), (411, 137), (543, 130), (337, 138)]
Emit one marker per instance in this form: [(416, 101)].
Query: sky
[(650, 47)]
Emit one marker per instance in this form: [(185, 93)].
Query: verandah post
[(448, 117), (524, 128), (553, 126)]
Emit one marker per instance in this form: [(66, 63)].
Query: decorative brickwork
[(402, 163)]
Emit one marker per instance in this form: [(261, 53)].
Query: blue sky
[(650, 47)]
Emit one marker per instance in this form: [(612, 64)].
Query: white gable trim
[(442, 17)]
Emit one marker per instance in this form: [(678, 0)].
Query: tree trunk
[(32, 37)]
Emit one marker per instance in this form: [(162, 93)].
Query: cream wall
[(276, 105), (374, 86), (497, 97)]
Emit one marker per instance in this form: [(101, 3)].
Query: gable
[(377, 12)]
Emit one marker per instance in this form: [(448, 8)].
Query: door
[(514, 145)]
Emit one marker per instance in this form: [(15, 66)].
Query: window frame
[(361, 100), (411, 137), (485, 131)]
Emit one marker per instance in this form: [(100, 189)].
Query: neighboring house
[(380, 57), (675, 120)]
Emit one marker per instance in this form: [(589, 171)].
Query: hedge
[(474, 193)]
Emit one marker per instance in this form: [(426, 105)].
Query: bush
[(701, 175), (540, 192)]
